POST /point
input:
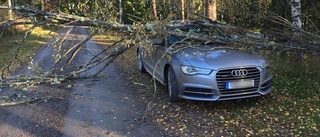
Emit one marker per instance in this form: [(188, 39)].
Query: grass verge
[(10, 44)]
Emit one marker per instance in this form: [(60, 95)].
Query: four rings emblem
[(239, 73)]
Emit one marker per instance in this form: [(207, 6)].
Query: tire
[(140, 65), (172, 86)]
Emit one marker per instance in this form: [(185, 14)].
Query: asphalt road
[(103, 106), (99, 106)]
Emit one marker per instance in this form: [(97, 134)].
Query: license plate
[(239, 84)]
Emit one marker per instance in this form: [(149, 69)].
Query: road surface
[(99, 106)]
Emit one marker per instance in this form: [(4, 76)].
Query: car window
[(179, 40), (155, 41), (171, 40)]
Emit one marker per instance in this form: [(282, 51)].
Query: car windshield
[(173, 39), (182, 40)]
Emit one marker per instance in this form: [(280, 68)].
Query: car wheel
[(172, 86), (140, 63)]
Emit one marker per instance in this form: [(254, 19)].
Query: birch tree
[(120, 11), (296, 14), (296, 23)]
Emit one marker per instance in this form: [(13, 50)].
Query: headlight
[(264, 65), (194, 70)]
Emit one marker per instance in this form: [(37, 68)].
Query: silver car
[(203, 71)]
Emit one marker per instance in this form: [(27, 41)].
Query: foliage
[(136, 11), (268, 14), (247, 13), (90, 8)]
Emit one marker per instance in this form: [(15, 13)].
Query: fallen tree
[(231, 36)]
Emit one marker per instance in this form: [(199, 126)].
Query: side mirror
[(157, 41)]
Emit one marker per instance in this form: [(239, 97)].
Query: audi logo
[(239, 73)]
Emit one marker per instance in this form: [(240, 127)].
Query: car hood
[(217, 58)]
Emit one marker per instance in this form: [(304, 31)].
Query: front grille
[(224, 76), (247, 95)]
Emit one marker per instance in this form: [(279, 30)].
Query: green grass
[(297, 85), (10, 44), (291, 109), (298, 79)]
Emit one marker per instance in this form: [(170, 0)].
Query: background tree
[(120, 11), (174, 8), (296, 14), (211, 9), (10, 11), (154, 9), (182, 10)]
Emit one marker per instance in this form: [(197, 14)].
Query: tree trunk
[(296, 24), (182, 9), (10, 12), (188, 3), (296, 14), (154, 8), (42, 4), (120, 12), (59, 7), (189, 8), (174, 9), (211, 9)]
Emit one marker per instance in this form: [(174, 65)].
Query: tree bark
[(211, 9), (188, 3), (154, 8), (42, 4), (296, 24), (120, 12), (182, 10), (296, 14), (189, 8), (10, 12), (174, 9)]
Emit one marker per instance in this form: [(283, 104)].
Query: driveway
[(96, 106)]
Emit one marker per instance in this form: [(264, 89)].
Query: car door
[(159, 60), (151, 47), (161, 56)]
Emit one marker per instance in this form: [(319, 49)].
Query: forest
[(270, 17)]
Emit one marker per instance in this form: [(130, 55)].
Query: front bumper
[(206, 87)]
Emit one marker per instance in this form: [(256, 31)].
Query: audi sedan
[(204, 71)]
